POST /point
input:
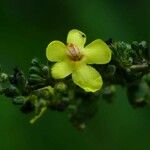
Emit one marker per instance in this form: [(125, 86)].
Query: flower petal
[(56, 51), (87, 78), (61, 70), (76, 37), (97, 52)]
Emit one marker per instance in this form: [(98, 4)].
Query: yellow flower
[(73, 58)]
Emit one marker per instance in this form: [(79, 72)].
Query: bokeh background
[(26, 28)]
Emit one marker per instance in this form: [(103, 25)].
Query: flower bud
[(3, 77), (60, 87), (45, 70)]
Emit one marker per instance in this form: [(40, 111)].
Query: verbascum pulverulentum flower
[(75, 58)]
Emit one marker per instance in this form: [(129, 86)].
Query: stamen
[(74, 52)]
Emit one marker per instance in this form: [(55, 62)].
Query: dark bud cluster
[(39, 74)]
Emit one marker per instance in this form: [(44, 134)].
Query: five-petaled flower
[(74, 59)]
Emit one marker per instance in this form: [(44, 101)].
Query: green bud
[(34, 78), (35, 62), (109, 92), (35, 70), (12, 91), (82, 126), (3, 77), (45, 92), (138, 94), (143, 44), (19, 100), (111, 69), (135, 45), (60, 87), (45, 70)]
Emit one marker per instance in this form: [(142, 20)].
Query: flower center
[(74, 52)]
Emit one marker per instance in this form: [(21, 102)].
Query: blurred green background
[(26, 28)]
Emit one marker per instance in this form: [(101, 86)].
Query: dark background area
[(26, 28)]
